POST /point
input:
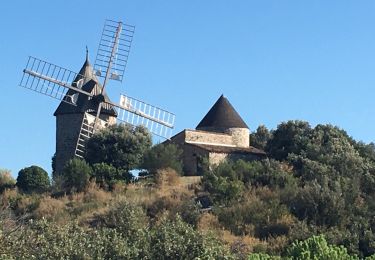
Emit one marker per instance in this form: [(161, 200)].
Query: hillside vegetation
[(313, 198)]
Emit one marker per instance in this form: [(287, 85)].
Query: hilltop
[(312, 197)]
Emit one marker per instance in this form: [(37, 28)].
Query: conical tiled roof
[(84, 103), (221, 116)]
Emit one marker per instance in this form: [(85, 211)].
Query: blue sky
[(274, 60)]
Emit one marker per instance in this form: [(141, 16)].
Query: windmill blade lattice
[(89, 124), (136, 112), (51, 80), (107, 42)]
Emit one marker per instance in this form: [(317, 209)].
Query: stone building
[(221, 135), (69, 117)]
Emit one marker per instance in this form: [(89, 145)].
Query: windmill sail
[(89, 125), (119, 36), (136, 112), (51, 80)]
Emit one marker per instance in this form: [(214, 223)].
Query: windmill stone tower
[(69, 118)]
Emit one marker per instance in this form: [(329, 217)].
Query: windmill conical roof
[(83, 103), (221, 116)]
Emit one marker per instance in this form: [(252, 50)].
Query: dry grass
[(7, 196), (166, 178), (243, 245), (52, 209), (277, 244), (138, 194), (95, 194), (208, 222), (25, 205)]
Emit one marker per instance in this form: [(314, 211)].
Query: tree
[(289, 137), (163, 156), (121, 146), (260, 138), (76, 175), (33, 179)]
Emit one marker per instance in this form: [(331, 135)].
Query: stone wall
[(240, 136), (191, 158), (202, 137), (67, 131), (217, 158)]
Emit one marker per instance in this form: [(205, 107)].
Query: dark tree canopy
[(33, 179), (76, 175), (106, 175), (289, 137), (121, 146), (163, 156), (260, 137)]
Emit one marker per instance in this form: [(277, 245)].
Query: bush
[(317, 247), (33, 179), (76, 175), (163, 156), (178, 240), (44, 240), (130, 221), (106, 175)]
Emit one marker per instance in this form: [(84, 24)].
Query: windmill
[(85, 106)]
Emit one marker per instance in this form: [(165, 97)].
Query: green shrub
[(33, 179), (317, 247), (76, 175), (174, 239), (163, 156), (106, 175)]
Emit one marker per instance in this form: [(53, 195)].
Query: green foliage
[(227, 181), (319, 204), (121, 146), (43, 240), (223, 189), (130, 221), (76, 175), (122, 235), (262, 256), (257, 215), (289, 137), (6, 180), (106, 175), (33, 179), (260, 137), (163, 156), (178, 240), (317, 247)]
